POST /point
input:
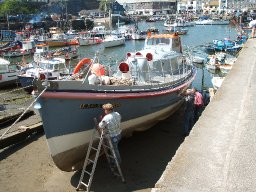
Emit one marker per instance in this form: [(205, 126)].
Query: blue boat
[(226, 45), (145, 88)]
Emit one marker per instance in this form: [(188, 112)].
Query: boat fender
[(105, 80), (124, 67), (84, 61), (93, 79), (42, 76), (138, 54), (149, 57), (98, 69)]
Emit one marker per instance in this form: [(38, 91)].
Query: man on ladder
[(111, 121), (109, 131)]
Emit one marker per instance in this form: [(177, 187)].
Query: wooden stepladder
[(100, 137)]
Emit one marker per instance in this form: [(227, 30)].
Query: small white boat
[(225, 68), (179, 23), (217, 82), (114, 39), (212, 22), (198, 59), (213, 63), (8, 73), (228, 64)]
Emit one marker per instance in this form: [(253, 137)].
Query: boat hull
[(69, 132), (56, 43), (26, 83), (114, 43), (89, 41), (8, 78)]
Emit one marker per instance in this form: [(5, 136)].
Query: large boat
[(145, 88)]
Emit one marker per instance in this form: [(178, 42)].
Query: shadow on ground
[(144, 158)]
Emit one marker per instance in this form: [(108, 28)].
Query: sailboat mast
[(110, 20)]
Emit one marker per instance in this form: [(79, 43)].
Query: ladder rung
[(84, 184), (87, 172), (106, 146), (94, 149), (91, 161)]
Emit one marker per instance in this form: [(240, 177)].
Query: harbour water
[(194, 41)]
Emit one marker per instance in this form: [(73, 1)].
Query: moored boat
[(146, 87), (89, 38), (114, 39), (8, 73), (51, 68), (217, 82)]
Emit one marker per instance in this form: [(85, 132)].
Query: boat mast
[(110, 19)]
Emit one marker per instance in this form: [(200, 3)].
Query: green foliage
[(15, 7), (105, 5)]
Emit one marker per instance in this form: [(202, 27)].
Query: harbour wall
[(219, 154)]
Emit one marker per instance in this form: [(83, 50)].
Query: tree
[(105, 5), (15, 7)]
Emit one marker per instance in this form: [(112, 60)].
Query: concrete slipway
[(219, 155)]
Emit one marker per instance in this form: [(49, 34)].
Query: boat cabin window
[(13, 67), (176, 45), (157, 41), (3, 68), (46, 66), (61, 66)]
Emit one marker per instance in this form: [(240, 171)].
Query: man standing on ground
[(112, 121), (199, 104), (189, 112)]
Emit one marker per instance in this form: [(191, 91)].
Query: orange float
[(82, 63), (98, 69)]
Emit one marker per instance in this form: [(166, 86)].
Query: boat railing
[(157, 79)]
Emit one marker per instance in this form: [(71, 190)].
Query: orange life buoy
[(81, 63)]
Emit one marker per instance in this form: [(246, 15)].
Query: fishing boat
[(226, 45), (179, 23), (89, 38), (146, 87), (8, 73), (52, 68), (114, 39), (57, 40), (178, 30)]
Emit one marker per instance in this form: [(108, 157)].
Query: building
[(188, 6), (215, 6), (150, 7)]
